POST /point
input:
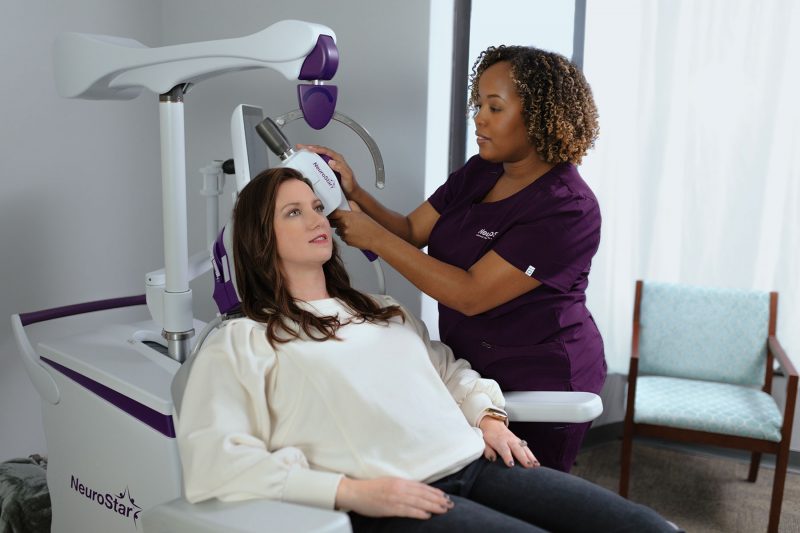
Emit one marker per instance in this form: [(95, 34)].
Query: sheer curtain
[(697, 168)]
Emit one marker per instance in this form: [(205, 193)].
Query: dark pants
[(576, 365), (491, 497), (554, 445)]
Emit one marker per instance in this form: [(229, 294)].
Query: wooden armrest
[(791, 385), (783, 359)]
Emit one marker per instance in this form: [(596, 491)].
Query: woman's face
[(302, 232), (501, 130)]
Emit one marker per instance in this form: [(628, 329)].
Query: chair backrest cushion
[(703, 333)]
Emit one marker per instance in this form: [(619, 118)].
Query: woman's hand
[(337, 163), (356, 228), (391, 496), (500, 441)]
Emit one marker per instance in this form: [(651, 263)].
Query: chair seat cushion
[(707, 406)]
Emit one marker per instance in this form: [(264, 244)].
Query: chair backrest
[(704, 333)]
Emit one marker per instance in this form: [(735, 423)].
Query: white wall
[(81, 205), (440, 67), (541, 23), (80, 180)]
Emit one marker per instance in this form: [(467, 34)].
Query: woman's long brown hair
[(261, 284)]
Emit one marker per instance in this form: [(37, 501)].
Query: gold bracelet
[(497, 414)]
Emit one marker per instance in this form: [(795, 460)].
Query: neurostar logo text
[(330, 181), (122, 503)]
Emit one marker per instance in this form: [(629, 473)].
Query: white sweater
[(287, 423)]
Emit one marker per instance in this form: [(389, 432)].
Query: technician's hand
[(391, 496), (337, 163), (356, 228), (500, 441)]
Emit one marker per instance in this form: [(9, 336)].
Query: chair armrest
[(783, 360), (791, 385), (251, 516), (552, 406)]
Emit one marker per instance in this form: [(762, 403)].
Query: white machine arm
[(101, 67), (113, 68)]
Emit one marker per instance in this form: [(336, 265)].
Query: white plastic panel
[(553, 406)]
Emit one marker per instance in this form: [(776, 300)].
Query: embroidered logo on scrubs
[(530, 271), (488, 235)]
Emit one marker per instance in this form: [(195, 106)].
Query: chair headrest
[(226, 293)]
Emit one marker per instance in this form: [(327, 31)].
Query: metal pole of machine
[(178, 321)]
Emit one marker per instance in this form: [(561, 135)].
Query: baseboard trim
[(611, 432)]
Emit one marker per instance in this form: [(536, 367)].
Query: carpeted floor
[(699, 492)]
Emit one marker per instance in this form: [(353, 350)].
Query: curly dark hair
[(558, 107), (261, 284)]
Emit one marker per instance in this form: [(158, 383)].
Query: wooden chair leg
[(625, 462), (781, 464), (755, 461)]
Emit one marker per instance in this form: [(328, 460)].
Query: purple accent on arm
[(78, 309), (158, 421), (328, 159), (322, 62), (318, 103), (369, 254), (224, 294)]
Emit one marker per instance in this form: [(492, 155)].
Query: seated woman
[(324, 396)]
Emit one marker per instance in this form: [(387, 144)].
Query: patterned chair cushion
[(703, 333), (707, 406)]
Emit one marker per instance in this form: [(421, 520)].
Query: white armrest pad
[(251, 516), (552, 406)]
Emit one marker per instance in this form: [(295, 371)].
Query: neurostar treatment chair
[(107, 407), (701, 372), (179, 516)]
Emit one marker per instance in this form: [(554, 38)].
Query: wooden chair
[(701, 372)]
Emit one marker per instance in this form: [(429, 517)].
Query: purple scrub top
[(545, 339)]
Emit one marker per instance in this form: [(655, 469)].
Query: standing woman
[(510, 236)]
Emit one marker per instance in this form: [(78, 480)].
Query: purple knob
[(322, 62), (318, 103)]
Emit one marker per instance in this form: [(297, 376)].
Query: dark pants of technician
[(554, 445), (548, 368), (491, 497)]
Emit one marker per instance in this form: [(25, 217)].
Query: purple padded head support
[(318, 102), (225, 293)]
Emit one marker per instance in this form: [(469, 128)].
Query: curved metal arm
[(377, 159)]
